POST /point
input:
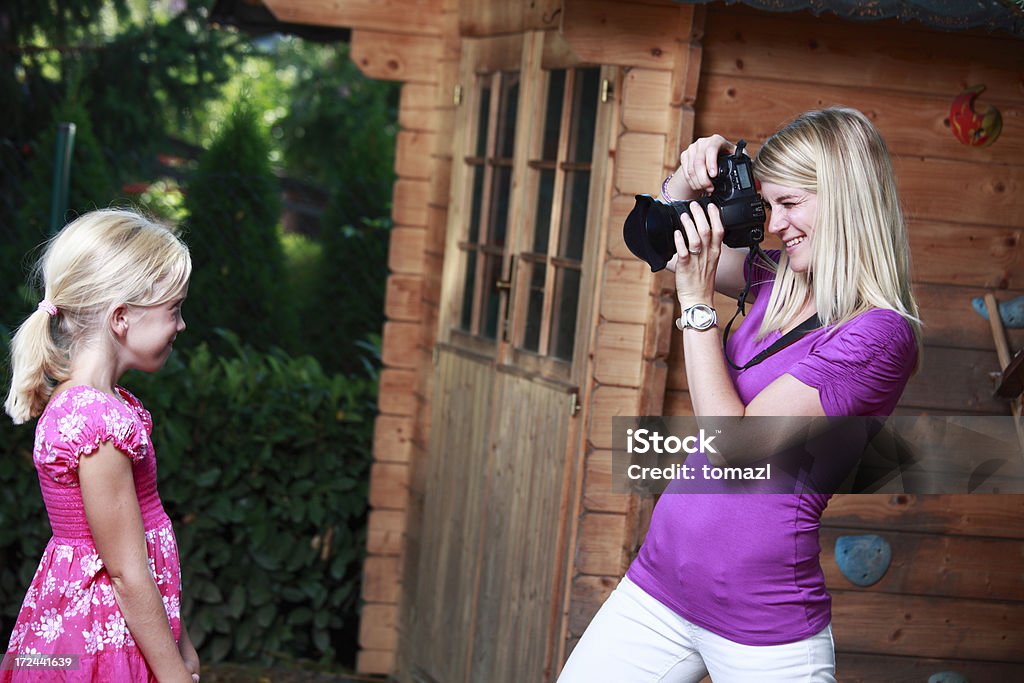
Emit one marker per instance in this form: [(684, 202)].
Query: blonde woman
[(731, 585), (108, 588)]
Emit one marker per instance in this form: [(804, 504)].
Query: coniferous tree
[(233, 204)]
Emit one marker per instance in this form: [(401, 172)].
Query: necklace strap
[(787, 339)]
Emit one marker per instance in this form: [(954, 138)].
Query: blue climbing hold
[(948, 677), (1011, 312), (863, 559)]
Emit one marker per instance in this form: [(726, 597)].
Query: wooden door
[(485, 592)]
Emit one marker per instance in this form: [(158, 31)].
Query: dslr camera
[(650, 225)]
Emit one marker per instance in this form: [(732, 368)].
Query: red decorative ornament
[(969, 127)]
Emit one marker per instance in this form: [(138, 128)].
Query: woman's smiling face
[(794, 213)]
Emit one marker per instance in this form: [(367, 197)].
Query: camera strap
[(782, 342)]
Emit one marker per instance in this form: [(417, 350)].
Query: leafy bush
[(92, 185), (348, 303), (263, 463)]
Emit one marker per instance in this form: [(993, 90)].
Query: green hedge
[(263, 467)]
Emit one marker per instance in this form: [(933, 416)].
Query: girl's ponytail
[(38, 364)]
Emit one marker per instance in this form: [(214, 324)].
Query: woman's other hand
[(698, 165)]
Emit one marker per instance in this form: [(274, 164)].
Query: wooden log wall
[(658, 44), (953, 599)]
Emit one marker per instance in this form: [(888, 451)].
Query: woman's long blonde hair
[(99, 261), (860, 256)]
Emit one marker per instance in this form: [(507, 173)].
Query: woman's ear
[(119, 321)]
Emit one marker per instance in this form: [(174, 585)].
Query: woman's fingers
[(671, 265), (695, 245), (682, 253), (717, 230), (699, 161)]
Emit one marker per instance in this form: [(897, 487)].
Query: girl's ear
[(119, 321)]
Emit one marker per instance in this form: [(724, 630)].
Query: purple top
[(745, 566)]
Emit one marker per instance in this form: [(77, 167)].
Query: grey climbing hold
[(1011, 312), (948, 677), (863, 559)]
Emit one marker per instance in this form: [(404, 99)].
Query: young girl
[(107, 592)]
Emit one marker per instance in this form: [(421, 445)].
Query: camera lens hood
[(648, 231)]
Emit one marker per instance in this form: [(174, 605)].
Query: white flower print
[(91, 564), (64, 553), (172, 605), (93, 638), (30, 598), (81, 399), (80, 599), (51, 625), (47, 454), (70, 426), (119, 425), (116, 632), (18, 636)]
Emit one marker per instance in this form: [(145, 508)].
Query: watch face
[(701, 317)]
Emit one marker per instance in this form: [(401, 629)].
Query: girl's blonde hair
[(99, 261), (860, 256)]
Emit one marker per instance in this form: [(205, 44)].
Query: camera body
[(650, 225)]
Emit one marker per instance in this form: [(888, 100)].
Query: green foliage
[(92, 185), (263, 462), (335, 109), (142, 69), (349, 302), (238, 262), (147, 69)]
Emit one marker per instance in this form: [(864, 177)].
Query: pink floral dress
[(69, 608)]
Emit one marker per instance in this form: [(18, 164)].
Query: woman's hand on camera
[(698, 164), (696, 258)]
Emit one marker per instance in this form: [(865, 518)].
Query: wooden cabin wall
[(953, 598), (658, 46)]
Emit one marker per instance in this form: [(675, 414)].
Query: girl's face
[(794, 213), (151, 332)]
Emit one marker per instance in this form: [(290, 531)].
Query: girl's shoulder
[(78, 420)]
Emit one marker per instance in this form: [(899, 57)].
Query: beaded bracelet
[(664, 189)]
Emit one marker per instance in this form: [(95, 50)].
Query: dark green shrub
[(263, 466), (233, 207), (92, 186), (24, 528), (348, 305)]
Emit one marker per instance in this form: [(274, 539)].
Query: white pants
[(636, 639)]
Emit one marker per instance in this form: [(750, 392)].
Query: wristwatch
[(698, 317)]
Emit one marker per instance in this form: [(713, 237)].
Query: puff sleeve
[(80, 420), (863, 366)]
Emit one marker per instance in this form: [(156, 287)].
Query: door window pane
[(490, 299), (575, 226), (542, 224), (534, 305), (567, 295), (466, 318)]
